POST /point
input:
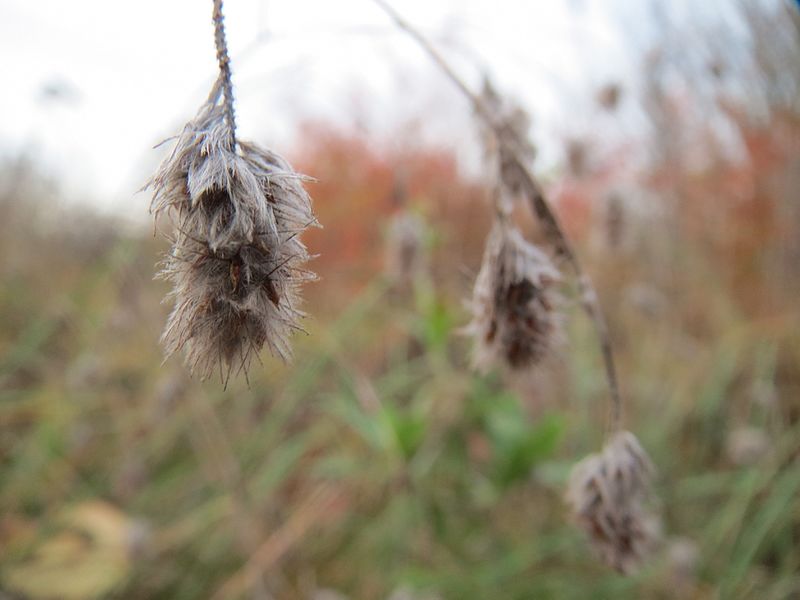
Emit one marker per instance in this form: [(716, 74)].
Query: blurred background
[(377, 465)]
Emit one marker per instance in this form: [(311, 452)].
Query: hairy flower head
[(236, 261), (405, 256), (607, 493), (514, 320)]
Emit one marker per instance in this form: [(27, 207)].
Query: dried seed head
[(577, 152), (609, 95), (615, 221), (607, 494), (236, 258), (513, 306), (404, 247), (746, 446), (682, 559)]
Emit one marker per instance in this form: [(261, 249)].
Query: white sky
[(139, 70)]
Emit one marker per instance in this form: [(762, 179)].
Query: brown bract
[(236, 261)]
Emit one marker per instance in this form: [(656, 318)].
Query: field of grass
[(377, 465)]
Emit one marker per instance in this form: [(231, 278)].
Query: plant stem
[(216, 452), (224, 68)]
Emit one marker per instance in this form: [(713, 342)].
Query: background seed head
[(607, 494), (514, 317)]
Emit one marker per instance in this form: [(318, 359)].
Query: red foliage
[(356, 191)]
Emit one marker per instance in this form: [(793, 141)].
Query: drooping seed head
[(682, 559), (609, 95), (607, 494), (745, 446), (514, 319), (236, 262), (404, 248), (577, 154)]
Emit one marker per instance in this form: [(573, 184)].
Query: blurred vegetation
[(377, 465)]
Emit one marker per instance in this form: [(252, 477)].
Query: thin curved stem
[(224, 68), (540, 208)]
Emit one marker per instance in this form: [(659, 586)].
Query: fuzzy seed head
[(608, 96), (607, 493), (514, 321), (682, 560), (577, 152), (745, 446), (236, 262), (404, 248)]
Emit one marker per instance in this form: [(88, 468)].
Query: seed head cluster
[(607, 493), (514, 320), (236, 261)]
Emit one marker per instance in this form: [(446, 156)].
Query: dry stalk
[(224, 68), (539, 206), (312, 510), (212, 445)]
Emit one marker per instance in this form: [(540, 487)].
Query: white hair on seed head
[(236, 262), (514, 319), (607, 493)]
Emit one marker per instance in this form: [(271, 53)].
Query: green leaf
[(520, 447)]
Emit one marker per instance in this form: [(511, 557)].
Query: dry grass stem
[(507, 138), (315, 509)]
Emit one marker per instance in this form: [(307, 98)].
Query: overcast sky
[(92, 85)]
